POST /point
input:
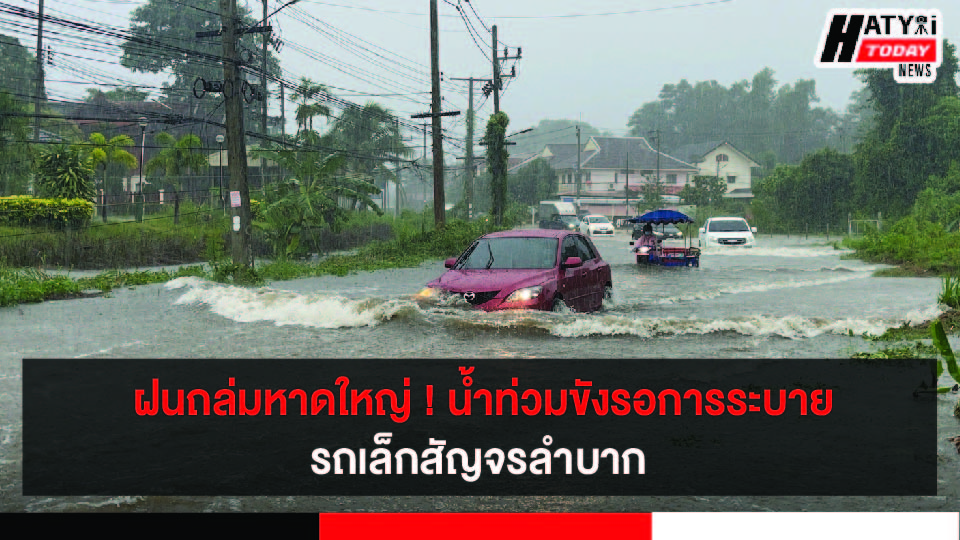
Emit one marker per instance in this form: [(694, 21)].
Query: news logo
[(906, 40)]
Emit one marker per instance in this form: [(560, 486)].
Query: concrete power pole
[(397, 186), (471, 113), (263, 88), (36, 98), (496, 74), (439, 204), (578, 166), (240, 247)]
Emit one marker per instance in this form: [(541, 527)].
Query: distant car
[(536, 269), (595, 224), (663, 232), (728, 231), (567, 223)]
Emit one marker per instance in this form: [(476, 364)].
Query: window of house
[(671, 179), (612, 187), (616, 178), (588, 176), (723, 157), (731, 179)]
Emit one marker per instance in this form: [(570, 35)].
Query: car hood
[(490, 280), (600, 225)]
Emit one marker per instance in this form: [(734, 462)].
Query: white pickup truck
[(728, 231)]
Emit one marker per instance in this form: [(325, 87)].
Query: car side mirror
[(753, 230), (572, 262), (702, 230), (450, 262)]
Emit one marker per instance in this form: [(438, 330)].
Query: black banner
[(533, 427)]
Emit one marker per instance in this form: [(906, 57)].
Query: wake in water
[(333, 311), (762, 287), (760, 251), (285, 308)]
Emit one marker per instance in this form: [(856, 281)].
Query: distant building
[(609, 166), (722, 159)]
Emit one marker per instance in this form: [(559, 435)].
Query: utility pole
[(578, 167), (283, 116), (439, 204), (497, 83), (236, 144), (468, 191), (36, 98), (397, 190), (263, 89), (626, 186)]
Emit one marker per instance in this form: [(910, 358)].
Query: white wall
[(737, 165)]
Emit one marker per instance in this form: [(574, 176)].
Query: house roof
[(695, 152), (619, 152), (699, 150)]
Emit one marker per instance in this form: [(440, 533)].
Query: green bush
[(24, 211)]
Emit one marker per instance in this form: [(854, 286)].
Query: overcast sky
[(600, 67)]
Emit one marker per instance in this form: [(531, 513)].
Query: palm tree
[(306, 109), (370, 138), (177, 157), (104, 153)]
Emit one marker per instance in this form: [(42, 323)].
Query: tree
[(554, 131), (369, 138), (176, 158), (103, 153), (307, 106), (905, 148), (17, 68), (15, 151), (705, 191), (129, 93), (534, 182), (497, 158), (163, 40), (652, 195), (63, 173)]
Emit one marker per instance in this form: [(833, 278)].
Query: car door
[(592, 280), (571, 280)]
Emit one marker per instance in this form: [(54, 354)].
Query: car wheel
[(558, 305), (607, 296)]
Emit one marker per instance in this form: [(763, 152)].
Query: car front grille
[(733, 241), (480, 297)]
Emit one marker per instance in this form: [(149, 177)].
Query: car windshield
[(598, 219), (510, 253), (729, 225)]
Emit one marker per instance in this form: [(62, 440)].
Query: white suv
[(728, 231)]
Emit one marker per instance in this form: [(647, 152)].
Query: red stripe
[(904, 50), (359, 526)]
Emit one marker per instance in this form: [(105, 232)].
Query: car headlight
[(429, 293), (522, 295)]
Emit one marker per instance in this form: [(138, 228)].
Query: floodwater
[(785, 298)]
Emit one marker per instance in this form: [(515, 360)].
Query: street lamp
[(220, 142)]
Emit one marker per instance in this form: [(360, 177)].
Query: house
[(723, 160), (609, 166)]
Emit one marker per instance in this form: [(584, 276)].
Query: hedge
[(25, 211)]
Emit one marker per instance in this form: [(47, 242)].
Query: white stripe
[(806, 526)]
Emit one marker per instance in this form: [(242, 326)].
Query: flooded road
[(785, 298)]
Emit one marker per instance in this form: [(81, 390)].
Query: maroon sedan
[(527, 269)]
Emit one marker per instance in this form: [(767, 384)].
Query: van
[(558, 215)]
